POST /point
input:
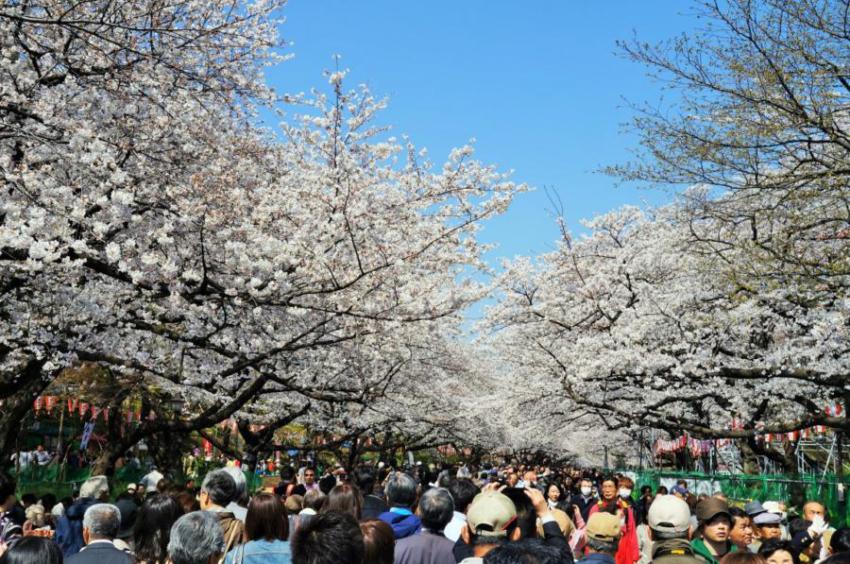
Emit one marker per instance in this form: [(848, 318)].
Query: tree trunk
[(17, 404)]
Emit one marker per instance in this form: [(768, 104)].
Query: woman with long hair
[(152, 529), (32, 550), (267, 533), (344, 498)]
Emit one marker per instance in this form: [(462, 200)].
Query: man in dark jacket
[(373, 505), (401, 496), (100, 525), (69, 527), (585, 499)]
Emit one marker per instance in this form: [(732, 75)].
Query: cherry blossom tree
[(150, 226)]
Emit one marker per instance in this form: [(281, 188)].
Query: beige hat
[(491, 514), (603, 527), (669, 514), (95, 487)]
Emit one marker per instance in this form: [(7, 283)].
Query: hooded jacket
[(403, 522)]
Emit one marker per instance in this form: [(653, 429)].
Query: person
[(152, 528), (149, 481), (217, 491), (603, 533), (429, 546), (745, 557), (42, 456), (187, 502), (69, 527), (346, 498), (669, 522), (616, 500), (309, 482), (585, 499), (329, 538), (643, 503), (806, 538), (378, 542), (491, 522), (463, 492), (767, 526), (33, 550), (812, 510), (741, 533), (373, 505), (777, 551), (555, 498), (129, 510), (267, 533), (293, 505), (712, 540), (101, 522), (532, 551), (195, 538), (312, 504), (401, 497), (840, 541), (238, 505)]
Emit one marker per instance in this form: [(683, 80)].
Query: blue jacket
[(597, 558), (261, 552), (69, 527), (403, 522)]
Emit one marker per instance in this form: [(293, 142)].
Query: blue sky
[(537, 83)]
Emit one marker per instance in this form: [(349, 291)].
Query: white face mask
[(586, 491), (625, 492)]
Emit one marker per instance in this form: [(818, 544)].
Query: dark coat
[(69, 527), (373, 506), (100, 553), (424, 548)]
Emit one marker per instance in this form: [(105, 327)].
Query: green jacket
[(702, 551), (674, 551)]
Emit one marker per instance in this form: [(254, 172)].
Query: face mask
[(625, 492), (585, 491)]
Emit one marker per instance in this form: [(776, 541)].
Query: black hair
[(526, 551), (840, 541), (7, 488), (737, 513), (29, 498), (526, 516), (287, 473), (327, 483), (797, 526), (328, 538), (152, 528), (463, 492), (839, 558), (33, 550), (775, 545), (364, 477)]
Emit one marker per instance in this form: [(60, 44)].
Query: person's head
[(218, 489), (490, 521), (766, 526), (239, 480), (742, 557), (608, 490), (435, 509), (164, 485), (294, 504), (314, 499), (401, 490), (153, 526), (28, 499), (840, 541), (526, 551), (662, 490), (553, 492), (714, 520), (586, 487), (287, 474), (625, 485), (777, 551), (309, 475), (530, 479), (33, 550), (513, 479), (187, 501), (345, 498), (364, 476), (526, 515), (463, 492), (96, 487), (669, 517), (814, 509), (36, 515), (266, 519), (378, 542), (101, 521), (195, 538), (741, 533), (603, 533), (328, 538), (646, 491)]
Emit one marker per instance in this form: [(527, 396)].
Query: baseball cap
[(708, 508), (669, 514), (491, 514), (767, 518), (772, 507), (753, 508), (603, 527)]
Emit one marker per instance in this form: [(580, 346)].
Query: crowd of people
[(374, 514)]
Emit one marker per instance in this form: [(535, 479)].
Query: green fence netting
[(741, 488)]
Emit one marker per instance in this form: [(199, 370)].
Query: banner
[(87, 431)]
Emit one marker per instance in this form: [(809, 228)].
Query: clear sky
[(538, 83)]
